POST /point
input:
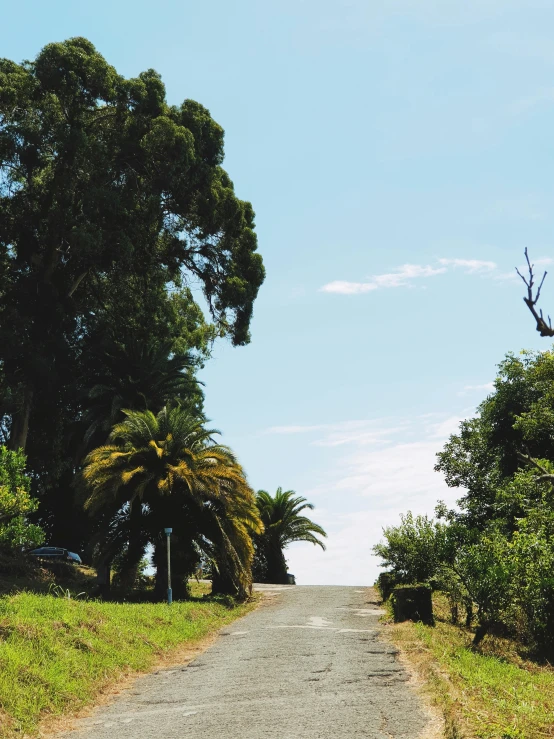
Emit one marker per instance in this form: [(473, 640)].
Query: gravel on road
[(308, 663)]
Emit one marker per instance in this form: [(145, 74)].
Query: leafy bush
[(16, 503), (413, 603), (413, 550), (486, 570), (385, 584), (532, 552)]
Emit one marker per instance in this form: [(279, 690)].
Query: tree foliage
[(496, 550), (166, 468), (114, 205), (16, 503), (100, 180), (283, 525), (413, 550)]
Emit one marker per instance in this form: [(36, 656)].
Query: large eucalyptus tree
[(100, 179)]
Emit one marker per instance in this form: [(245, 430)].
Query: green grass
[(57, 654), (491, 693), (198, 588)]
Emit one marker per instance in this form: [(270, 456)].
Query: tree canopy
[(496, 550), (103, 183), (161, 469), (283, 525)]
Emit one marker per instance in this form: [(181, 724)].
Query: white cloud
[(399, 278), (348, 288), (404, 275), (441, 430), (381, 468), (488, 387), (524, 269), (293, 429), (471, 266), (361, 433)]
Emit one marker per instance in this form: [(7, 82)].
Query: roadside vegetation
[(489, 562), (283, 524), (57, 653), (112, 204), (498, 691)]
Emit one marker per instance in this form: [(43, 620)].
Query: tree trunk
[(20, 422), (103, 579), (454, 613), (276, 567), (469, 614), (481, 632), (135, 549), (222, 584)]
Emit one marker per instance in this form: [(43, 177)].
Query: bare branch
[(543, 327)]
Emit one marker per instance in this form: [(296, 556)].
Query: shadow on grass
[(21, 572)]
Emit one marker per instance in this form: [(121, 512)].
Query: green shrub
[(385, 584), (413, 550), (16, 503), (412, 603)]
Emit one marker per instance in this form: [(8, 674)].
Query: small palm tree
[(283, 525), (165, 469)]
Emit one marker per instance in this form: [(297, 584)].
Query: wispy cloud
[(360, 433), (523, 268), (407, 273), (487, 387), (401, 277), (348, 288), (471, 266), (293, 429), (386, 468)]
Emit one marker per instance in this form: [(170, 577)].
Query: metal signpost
[(169, 591)]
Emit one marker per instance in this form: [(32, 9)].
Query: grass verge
[(57, 655), (495, 692)]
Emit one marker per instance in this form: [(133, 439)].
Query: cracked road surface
[(307, 663)]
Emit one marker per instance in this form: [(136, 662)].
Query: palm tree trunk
[(276, 566), (135, 549), (103, 579)]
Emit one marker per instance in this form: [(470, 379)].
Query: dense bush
[(412, 550), (494, 555), (412, 602), (386, 583), (16, 503)]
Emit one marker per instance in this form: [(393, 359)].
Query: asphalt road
[(308, 663)]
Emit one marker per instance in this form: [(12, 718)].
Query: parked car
[(57, 553)]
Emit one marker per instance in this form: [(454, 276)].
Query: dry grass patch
[(495, 692)]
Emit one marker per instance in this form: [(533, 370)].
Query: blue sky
[(398, 155)]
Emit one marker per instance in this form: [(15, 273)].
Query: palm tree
[(136, 375), (166, 469), (283, 524)]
